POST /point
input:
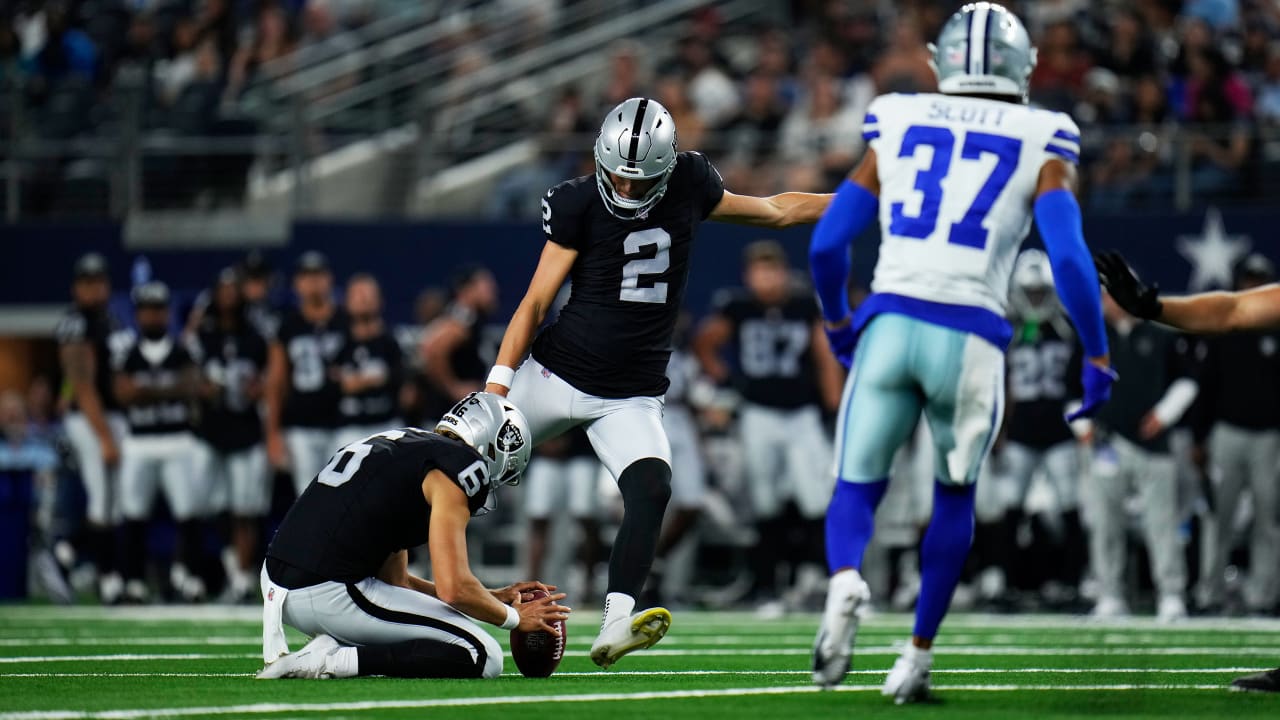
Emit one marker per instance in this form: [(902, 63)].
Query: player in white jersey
[(954, 178)]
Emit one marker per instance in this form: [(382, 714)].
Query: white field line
[(273, 708), (975, 639), (730, 652), (123, 657), (26, 616), (708, 673)]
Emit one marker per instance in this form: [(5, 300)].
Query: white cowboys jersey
[(957, 181)]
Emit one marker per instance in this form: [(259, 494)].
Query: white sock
[(617, 605), (918, 656), (844, 586), (343, 662)]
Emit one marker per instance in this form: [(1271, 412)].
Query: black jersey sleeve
[(708, 187), (467, 470), (562, 209)]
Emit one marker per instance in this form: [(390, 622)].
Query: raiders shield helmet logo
[(509, 438)]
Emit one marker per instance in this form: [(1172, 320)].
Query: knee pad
[(646, 481)]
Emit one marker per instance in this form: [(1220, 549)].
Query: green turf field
[(199, 661)]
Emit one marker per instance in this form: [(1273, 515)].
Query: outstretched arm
[(776, 211), (852, 209), (553, 268), (1211, 312)]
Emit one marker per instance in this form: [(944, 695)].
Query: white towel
[(273, 643)]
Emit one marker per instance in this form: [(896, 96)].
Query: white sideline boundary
[(707, 673), (1268, 652), (276, 708)]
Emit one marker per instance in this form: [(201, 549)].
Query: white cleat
[(847, 594), (1171, 609), (1109, 607), (309, 662), (908, 681), (642, 630)]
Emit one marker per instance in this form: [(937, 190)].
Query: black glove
[(1126, 288)]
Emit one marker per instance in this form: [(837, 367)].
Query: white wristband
[(513, 619), (502, 375)]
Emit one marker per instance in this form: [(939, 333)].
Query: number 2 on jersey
[(969, 231), (632, 291)]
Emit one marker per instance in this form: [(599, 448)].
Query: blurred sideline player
[(157, 382), (94, 424), (1238, 375), (337, 568), (954, 178), (369, 366), (668, 574), (451, 357), (1128, 452), (624, 236), (1043, 368), (562, 483), (302, 394), (233, 357), (786, 377), (1211, 312)]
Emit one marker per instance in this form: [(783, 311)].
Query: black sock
[(133, 549), (188, 550), (419, 659), (646, 488), (767, 554), (102, 548), (1075, 548)]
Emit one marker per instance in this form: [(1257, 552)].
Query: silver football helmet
[(497, 430), (983, 50), (637, 140), (1031, 292)]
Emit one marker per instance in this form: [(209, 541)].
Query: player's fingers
[(549, 628)]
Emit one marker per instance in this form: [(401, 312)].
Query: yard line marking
[(123, 657), (700, 673), (5, 676), (208, 640), (726, 652), (271, 708)]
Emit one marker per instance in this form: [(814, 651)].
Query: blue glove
[(1097, 390), (842, 341)]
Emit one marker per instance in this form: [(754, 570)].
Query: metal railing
[(135, 171)]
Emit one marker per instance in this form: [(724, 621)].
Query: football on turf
[(538, 653)]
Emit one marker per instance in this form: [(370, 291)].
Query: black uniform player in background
[(786, 378), (452, 360), (302, 389), (369, 367), (233, 357), (1044, 364), (623, 237), (93, 423), (337, 569), (157, 382), (1212, 312)]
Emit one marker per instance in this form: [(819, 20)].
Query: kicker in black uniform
[(336, 569), (623, 236)]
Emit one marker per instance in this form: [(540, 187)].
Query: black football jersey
[(232, 360), (613, 337), (1043, 375), (773, 348), (380, 355), (367, 503), (157, 364), (95, 327), (313, 394)]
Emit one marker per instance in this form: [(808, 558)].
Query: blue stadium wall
[(410, 256)]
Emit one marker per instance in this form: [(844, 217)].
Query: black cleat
[(1268, 681)]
